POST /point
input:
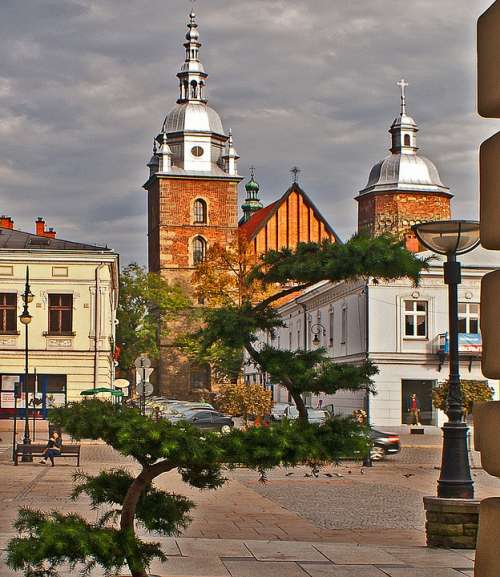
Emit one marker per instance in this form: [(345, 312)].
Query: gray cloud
[(85, 85)]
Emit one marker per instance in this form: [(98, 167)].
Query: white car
[(316, 416), (278, 411)]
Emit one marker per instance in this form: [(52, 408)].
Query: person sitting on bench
[(53, 449)]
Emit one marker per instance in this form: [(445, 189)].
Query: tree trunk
[(301, 407), (127, 519)]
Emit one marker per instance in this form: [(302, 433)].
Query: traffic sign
[(143, 375), (121, 384), (147, 391), (142, 362)]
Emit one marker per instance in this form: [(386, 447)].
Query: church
[(193, 199)]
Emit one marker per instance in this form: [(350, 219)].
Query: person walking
[(53, 449)]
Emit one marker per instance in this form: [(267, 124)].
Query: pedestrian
[(414, 410), (53, 449)]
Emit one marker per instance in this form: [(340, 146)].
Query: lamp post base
[(27, 456), (455, 481)]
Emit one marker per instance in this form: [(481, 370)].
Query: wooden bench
[(36, 450)]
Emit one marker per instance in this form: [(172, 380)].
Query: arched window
[(200, 211), (407, 140), (199, 250), (194, 89)]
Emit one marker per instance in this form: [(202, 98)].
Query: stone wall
[(451, 523)]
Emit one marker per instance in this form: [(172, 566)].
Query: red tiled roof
[(252, 226)]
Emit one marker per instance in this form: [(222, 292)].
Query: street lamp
[(317, 329), (451, 238), (25, 319)]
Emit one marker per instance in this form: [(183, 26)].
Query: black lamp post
[(451, 238), (25, 318), (317, 329)]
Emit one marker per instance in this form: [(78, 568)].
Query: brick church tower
[(403, 189), (192, 196)]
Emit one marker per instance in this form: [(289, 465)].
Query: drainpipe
[(96, 323)]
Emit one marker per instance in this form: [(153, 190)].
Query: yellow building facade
[(71, 337)]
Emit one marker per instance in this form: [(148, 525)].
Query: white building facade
[(401, 328)]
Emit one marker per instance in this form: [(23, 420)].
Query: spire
[(230, 158), (192, 75), (252, 203), (164, 154), (404, 129), (403, 84)]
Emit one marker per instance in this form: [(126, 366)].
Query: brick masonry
[(396, 212), (171, 230), (451, 523)]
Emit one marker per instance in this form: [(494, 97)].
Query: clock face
[(197, 151)]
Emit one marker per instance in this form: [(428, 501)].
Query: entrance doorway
[(423, 391)]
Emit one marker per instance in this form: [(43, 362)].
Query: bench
[(37, 451)]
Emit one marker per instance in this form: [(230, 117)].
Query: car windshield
[(292, 411)]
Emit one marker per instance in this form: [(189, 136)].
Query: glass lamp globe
[(25, 318), (448, 236)]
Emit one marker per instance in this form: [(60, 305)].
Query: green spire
[(252, 203)]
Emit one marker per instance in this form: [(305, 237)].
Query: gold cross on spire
[(403, 84)]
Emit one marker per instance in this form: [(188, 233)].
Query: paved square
[(213, 548), (343, 570), (421, 572), (425, 557)]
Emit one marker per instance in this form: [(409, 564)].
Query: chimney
[(40, 229), (6, 222)]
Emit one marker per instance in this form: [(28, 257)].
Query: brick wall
[(396, 213)]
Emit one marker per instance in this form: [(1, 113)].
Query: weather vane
[(403, 84), (295, 171)]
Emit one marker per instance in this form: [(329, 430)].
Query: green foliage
[(157, 510), (314, 372), (381, 257), (472, 391), (47, 541), (147, 303)]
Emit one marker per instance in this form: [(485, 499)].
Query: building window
[(199, 250), (200, 212), (415, 319), (468, 318), (8, 313), (61, 314), (331, 323), (344, 325), (407, 140), (200, 377), (290, 338)]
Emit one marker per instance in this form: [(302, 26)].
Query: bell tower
[(192, 188), (403, 189)]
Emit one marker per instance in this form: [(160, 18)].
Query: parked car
[(317, 416), (205, 420), (330, 409), (384, 444), (278, 411)]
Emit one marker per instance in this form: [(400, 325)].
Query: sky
[(85, 86)]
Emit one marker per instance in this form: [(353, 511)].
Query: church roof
[(11, 239), (259, 219)]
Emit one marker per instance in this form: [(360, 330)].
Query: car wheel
[(225, 429), (377, 453)]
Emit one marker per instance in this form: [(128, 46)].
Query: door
[(422, 389)]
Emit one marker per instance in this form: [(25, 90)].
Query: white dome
[(193, 117), (404, 172)]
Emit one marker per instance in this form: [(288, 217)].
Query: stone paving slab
[(284, 551), (421, 572), (349, 554), (425, 557), (316, 570), (211, 547), (264, 569)]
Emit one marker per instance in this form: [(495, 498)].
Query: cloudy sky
[(85, 85)]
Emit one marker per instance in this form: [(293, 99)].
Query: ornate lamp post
[(317, 329), (451, 238), (25, 318)]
